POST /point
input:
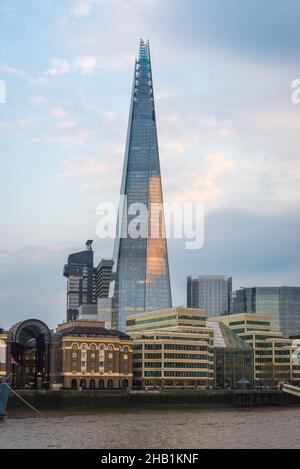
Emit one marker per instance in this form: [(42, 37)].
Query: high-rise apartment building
[(81, 275), (210, 292), (141, 279), (282, 304)]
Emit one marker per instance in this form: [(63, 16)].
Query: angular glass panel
[(141, 279)]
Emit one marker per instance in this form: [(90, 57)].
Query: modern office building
[(273, 353), (211, 292), (165, 318), (141, 279), (81, 275), (233, 358), (103, 278), (172, 348), (281, 303), (93, 357)]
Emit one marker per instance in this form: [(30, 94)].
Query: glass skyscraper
[(211, 292), (282, 304), (141, 279)]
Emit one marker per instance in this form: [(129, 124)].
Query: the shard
[(141, 280)]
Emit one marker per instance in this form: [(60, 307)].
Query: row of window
[(93, 384), (196, 348), (110, 347)]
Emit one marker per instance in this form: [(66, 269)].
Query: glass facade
[(233, 358), (210, 292), (141, 273), (282, 304)]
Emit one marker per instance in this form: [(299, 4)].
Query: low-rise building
[(272, 352), (92, 356), (172, 348)]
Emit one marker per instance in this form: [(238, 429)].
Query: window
[(101, 383), (92, 384), (74, 383)]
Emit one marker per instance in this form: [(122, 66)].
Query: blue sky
[(228, 135)]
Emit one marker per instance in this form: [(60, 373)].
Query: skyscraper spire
[(141, 270)]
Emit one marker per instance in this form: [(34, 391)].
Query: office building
[(81, 275), (233, 358), (172, 348), (282, 304), (210, 292), (273, 353), (141, 279), (103, 278), (165, 318)]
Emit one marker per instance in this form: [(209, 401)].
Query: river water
[(183, 427)]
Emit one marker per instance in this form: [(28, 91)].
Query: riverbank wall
[(116, 399), (81, 400)]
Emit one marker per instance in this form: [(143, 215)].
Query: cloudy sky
[(229, 136)]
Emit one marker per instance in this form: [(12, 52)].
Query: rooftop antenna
[(89, 244)]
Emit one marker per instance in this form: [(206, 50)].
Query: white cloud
[(76, 137), (81, 9), (162, 95), (40, 81), (58, 112), (59, 67), (37, 100), (81, 165), (12, 70), (202, 180), (67, 124), (19, 124), (86, 64)]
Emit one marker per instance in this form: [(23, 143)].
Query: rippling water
[(156, 428)]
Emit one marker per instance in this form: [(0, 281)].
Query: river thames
[(183, 427)]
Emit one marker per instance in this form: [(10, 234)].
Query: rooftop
[(92, 328)]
